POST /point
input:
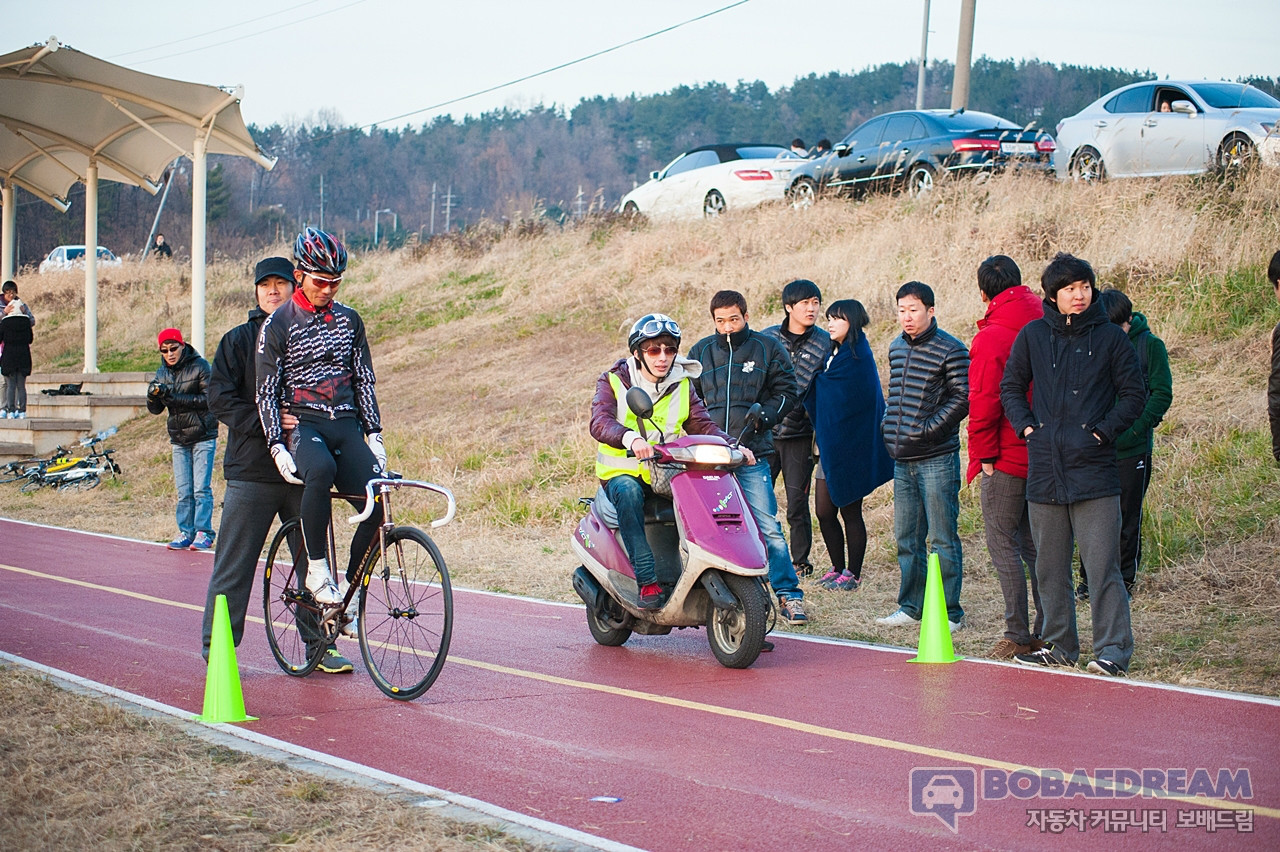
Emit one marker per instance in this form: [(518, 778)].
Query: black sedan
[(910, 149)]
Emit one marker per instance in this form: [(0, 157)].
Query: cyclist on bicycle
[(313, 362), (657, 368)]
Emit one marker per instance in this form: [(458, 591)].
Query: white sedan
[(1167, 127), (709, 180), (71, 257)]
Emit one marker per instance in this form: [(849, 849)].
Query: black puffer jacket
[(183, 389), (809, 353), (1087, 381), (232, 392), (928, 395), (738, 371)]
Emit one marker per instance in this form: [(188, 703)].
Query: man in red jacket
[(997, 452)]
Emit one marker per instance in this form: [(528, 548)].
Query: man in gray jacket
[(809, 348)]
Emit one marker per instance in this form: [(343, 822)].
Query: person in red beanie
[(181, 385)]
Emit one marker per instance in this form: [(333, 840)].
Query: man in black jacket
[(256, 494), (741, 367), (809, 348), (1087, 389), (181, 385), (928, 399)]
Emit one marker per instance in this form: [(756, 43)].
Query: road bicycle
[(63, 471), (405, 600)]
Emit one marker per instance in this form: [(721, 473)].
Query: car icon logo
[(942, 790)]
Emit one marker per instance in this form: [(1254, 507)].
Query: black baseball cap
[(280, 266)]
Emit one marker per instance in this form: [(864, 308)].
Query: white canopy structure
[(67, 117)]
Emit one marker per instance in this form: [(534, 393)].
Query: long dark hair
[(852, 312)]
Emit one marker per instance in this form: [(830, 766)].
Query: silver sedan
[(1169, 127)]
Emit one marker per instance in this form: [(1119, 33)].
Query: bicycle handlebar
[(380, 482)]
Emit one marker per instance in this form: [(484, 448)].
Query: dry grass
[(77, 773), (487, 347)]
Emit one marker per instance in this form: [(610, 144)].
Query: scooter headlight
[(707, 454)]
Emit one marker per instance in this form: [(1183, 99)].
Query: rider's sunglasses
[(324, 281), (656, 350), (654, 327), (168, 350)]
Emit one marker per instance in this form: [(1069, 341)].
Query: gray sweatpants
[(1013, 552), (1095, 526), (248, 511)]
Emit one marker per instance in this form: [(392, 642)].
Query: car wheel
[(1236, 152), (713, 204), (631, 211), (803, 193), (920, 180), (1087, 165)]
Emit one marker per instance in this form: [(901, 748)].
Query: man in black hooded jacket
[(1087, 389)]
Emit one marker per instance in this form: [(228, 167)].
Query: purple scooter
[(710, 558)]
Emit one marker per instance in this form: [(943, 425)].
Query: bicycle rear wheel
[(406, 614), (293, 619), (34, 483), (84, 483)]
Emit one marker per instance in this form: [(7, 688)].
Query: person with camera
[(181, 385)]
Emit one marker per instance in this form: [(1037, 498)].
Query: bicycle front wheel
[(406, 614), (293, 619)]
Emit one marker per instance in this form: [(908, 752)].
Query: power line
[(534, 75), (211, 32)]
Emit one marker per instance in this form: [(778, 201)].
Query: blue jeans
[(926, 510), (627, 494), (193, 476), (757, 488)]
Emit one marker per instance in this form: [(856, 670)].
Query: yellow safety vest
[(669, 413)]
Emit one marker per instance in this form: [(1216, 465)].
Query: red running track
[(813, 747)]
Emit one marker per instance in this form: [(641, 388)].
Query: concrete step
[(106, 399), (14, 450)]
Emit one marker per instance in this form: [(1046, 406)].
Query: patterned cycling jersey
[(316, 360)]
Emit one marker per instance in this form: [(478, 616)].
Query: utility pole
[(433, 208), (577, 205), (322, 202), (964, 56), (924, 60), (448, 207)]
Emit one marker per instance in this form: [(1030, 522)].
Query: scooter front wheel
[(737, 635), (609, 626)]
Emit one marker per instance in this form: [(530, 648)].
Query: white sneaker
[(898, 619), (350, 626), (957, 626), (320, 583)]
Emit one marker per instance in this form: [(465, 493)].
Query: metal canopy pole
[(91, 268), (198, 214), (8, 238)]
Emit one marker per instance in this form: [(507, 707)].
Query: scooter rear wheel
[(604, 628), (737, 635)]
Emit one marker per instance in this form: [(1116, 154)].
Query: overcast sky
[(369, 61)]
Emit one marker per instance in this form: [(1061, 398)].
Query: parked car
[(709, 180), (1166, 127), (69, 257), (910, 149)]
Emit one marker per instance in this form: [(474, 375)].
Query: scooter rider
[(655, 366)]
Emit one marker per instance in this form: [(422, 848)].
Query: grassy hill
[(487, 347)]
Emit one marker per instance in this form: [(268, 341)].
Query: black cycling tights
[(332, 453), (855, 529)]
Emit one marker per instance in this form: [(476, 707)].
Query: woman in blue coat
[(846, 404)]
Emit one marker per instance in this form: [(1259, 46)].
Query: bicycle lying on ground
[(63, 471), (405, 604)]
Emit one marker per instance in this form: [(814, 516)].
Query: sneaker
[(957, 626), (804, 569), (1044, 657), (1105, 667), (20, 415), (897, 619), (767, 647), (792, 610), (846, 582), (1082, 591), (182, 542), (1006, 649), (651, 596), (202, 541), (350, 626), (828, 580), (320, 583), (334, 663)]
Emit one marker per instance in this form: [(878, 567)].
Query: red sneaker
[(651, 596)]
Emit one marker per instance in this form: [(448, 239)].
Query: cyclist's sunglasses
[(324, 280), (654, 327)]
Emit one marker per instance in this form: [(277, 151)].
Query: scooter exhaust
[(588, 589)]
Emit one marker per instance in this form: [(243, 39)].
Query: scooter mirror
[(640, 403), (751, 422)]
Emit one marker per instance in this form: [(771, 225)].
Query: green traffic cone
[(223, 701), (935, 630)]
